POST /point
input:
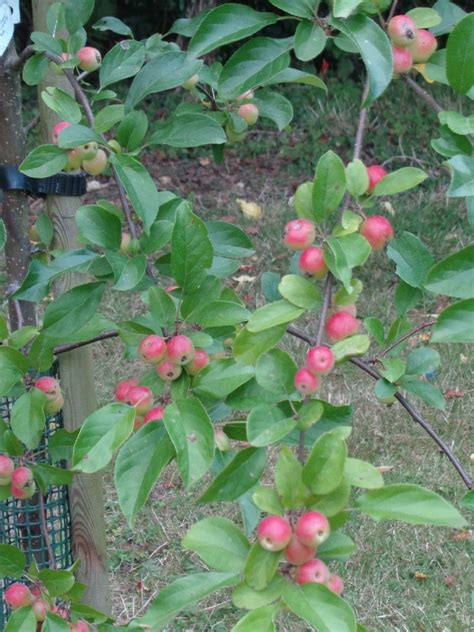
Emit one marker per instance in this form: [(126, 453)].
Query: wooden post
[(77, 381)]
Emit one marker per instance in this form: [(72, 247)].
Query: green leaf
[(165, 72), (329, 185), (63, 104), (275, 107), (162, 307), (321, 608), (109, 116), (462, 176), (310, 40), (357, 178), (112, 24), (132, 130), (139, 186), (28, 418), (424, 18), (454, 275), (56, 582), (99, 227), (399, 181), (454, 324), (412, 257), (189, 130), (324, 468), (72, 310), (450, 13), (460, 55), (300, 291), (466, 501), (409, 503), (229, 240), (450, 144), (275, 371), (309, 414), (336, 260), (55, 623), (220, 378), (393, 369), (338, 546), (219, 543), (60, 445), (139, 464), (182, 593), (267, 500), (267, 425), (45, 42), (362, 474), (124, 60), (76, 135), (225, 24), (422, 360), (254, 63), (344, 8), (249, 346), (244, 596), (261, 567), (352, 346), (427, 392), (130, 274), (35, 69), (375, 49), (292, 75), (191, 250), (273, 314), (300, 8), (44, 161), (375, 328), (261, 619), (289, 480), (12, 562), (236, 478), (21, 620), (3, 235), (192, 434), (103, 432), (356, 248), (78, 13), (406, 297)]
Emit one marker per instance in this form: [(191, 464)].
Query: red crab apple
[(73, 161), (402, 60), (341, 325), (180, 350), (299, 234), (349, 309), (138, 422), (80, 626), (6, 470), (17, 596), (41, 609), (375, 173), (298, 553), (423, 47), (123, 389), (312, 528), (96, 165), (274, 533), (59, 128), (191, 82), (200, 360), (335, 584), (320, 360), (141, 398), (155, 414), (89, 58), (249, 112), (377, 230), (22, 477), (152, 349), (402, 30), (168, 371), (54, 397), (311, 262), (305, 382), (314, 571)]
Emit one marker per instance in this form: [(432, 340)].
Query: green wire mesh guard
[(20, 523)]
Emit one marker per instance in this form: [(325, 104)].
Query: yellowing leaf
[(251, 210), (422, 70)]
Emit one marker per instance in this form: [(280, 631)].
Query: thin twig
[(44, 531), (206, 93), (25, 54), (431, 101), (402, 339), (32, 124), (393, 8), (19, 313), (324, 308), (64, 348), (125, 205), (361, 123)]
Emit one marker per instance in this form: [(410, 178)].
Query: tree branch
[(64, 348), (32, 124), (361, 123), (324, 308), (16, 64), (402, 339), (431, 101), (393, 8)]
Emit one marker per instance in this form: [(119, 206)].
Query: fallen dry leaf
[(451, 393), (251, 210), (462, 535), (384, 468), (420, 576)]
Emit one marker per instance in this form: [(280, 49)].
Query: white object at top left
[(9, 16)]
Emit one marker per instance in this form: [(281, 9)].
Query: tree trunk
[(77, 381)]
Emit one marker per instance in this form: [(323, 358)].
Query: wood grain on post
[(77, 381)]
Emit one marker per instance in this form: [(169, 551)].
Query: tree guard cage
[(20, 520)]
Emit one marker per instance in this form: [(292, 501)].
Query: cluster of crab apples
[(19, 595), (89, 157), (299, 546), (20, 479), (169, 358), (410, 45)]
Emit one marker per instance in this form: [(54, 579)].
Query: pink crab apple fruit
[(274, 533), (41, 609), (180, 350), (320, 360), (59, 128), (123, 389), (341, 325), (305, 382), (22, 477), (402, 30), (154, 414), (311, 262), (423, 47), (375, 173), (80, 626), (54, 397), (249, 112), (138, 422), (96, 165), (141, 398), (377, 230), (314, 571), (89, 58), (402, 60), (190, 83), (200, 360), (168, 371), (299, 234), (17, 596), (152, 349), (298, 553), (23, 493), (7, 468), (73, 161), (312, 528), (335, 584)]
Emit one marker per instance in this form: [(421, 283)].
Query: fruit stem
[(400, 340)]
